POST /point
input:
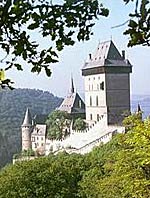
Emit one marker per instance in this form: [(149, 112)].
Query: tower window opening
[(91, 118), (96, 100), (33, 139), (98, 117), (90, 100), (102, 85)]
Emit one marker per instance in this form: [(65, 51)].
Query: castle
[(107, 97)]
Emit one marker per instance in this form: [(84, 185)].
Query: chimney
[(90, 56), (123, 54)]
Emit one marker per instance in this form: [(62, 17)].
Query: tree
[(79, 124), (58, 124), (132, 120), (61, 24), (139, 24), (53, 177), (127, 169)]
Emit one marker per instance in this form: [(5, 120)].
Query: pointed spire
[(72, 85), (27, 119), (139, 108)]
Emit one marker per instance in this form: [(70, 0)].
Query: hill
[(12, 108)]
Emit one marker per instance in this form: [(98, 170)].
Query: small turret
[(26, 131), (139, 111), (138, 108)]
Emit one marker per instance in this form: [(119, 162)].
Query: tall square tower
[(107, 84)]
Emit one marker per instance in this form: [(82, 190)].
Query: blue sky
[(72, 58)]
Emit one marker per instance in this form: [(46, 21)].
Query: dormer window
[(80, 104)]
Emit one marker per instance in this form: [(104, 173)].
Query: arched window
[(90, 100), (96, 100)]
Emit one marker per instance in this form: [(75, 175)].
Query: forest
[(118, 169), (13, 104)]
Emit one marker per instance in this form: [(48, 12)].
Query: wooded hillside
[(12, 109)]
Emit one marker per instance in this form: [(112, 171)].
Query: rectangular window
[(33, 139), (96, 100), (97, 117), (91, 117), (90, 100), (102, 86)]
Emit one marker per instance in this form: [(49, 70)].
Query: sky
[(72, 58)]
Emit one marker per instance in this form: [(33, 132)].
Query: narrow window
[(80, 104), (33, 139), (96, 100), (90, 100), (97, 117), (91, 117), (102, 85)]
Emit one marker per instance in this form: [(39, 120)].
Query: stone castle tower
[(26, 131), (107, 84)]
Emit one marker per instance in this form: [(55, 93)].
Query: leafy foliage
[(79, 124), (53, 177), (120, 168), (139, 24), (58, 124), (60, 23)]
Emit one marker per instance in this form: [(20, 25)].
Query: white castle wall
[(84, 141)]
